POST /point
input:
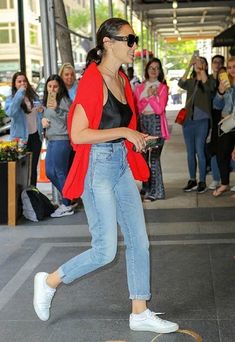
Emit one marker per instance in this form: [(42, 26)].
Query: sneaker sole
[(202, 192), (159, 331), (66, 213), (192, 189)]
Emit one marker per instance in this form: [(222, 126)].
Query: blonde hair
[(231, 59), (66, 66)]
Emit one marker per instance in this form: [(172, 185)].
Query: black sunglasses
[(131, 39)]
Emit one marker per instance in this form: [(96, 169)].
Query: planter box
[(14, 177)]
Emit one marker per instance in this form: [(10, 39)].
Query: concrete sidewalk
[(192, 260)]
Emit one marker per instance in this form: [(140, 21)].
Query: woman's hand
[(193, 60), (223, 86), (45, 123), (138, 139), (39, 109), (23, 87), (151, 91)]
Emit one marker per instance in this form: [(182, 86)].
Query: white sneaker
[(148, 321), (43, 295), (63, 210), (232, 188), (214, 184)]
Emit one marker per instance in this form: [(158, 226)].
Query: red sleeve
[(89, 95)]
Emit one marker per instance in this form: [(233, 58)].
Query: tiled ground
[(192, 259), (192, 283)]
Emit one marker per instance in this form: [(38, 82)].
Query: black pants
[(34, 145), (225, 147)]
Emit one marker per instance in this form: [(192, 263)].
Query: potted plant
[(15, 174)]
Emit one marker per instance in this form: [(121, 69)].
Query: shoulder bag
[(182, 114)]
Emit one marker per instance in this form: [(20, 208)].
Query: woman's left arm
[(159, 101)]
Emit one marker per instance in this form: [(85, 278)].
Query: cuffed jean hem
[(140, 297), (62, 276)]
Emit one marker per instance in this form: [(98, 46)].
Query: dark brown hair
[(29, 93), (63, 92), (109, 28), (161, 77)]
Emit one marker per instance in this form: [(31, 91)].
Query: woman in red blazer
[(102, 125)]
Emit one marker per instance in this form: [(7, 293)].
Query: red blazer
[(90, 96)]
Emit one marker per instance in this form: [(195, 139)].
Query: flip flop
[(218, 192)]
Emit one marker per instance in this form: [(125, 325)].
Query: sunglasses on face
[(154, 68), (131, 39)]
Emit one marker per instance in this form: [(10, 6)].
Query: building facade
[(9, 38)]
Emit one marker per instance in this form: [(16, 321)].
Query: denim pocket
[(103, 155)]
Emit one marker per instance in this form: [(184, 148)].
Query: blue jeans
[(57, 164), (111, 196), (195, 134)]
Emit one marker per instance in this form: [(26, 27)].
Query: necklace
[(117, 89)]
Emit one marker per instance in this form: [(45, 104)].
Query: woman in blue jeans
[(196, 125), (103, 129), (57, 102)]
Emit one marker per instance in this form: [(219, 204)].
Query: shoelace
[(154, 316)]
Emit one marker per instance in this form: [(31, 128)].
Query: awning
[(225, 38)]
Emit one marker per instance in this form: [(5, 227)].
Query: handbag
[(227, 124), (182, 114)]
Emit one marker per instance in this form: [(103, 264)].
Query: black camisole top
[(115, 114)]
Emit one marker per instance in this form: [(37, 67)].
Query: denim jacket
[(225, 103), (19, 127)]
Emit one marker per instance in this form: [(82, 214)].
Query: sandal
[(220, 190)]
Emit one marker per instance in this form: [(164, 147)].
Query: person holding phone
[(217, 67), (225, 101), (151, 98), (57, 103), (196, 125), (25, 111), (103, 132)]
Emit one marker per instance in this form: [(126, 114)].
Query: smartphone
[(223, 76), (196, 53), (51, 99), (152, 143)]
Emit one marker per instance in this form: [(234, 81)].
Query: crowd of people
[(210, 98), (100, 141)]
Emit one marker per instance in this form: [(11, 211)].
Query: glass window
[(33, 34), (7, 33), (3, 4), (6, 4), (32, 5)]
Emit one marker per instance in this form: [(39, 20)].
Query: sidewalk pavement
[(192, 240)]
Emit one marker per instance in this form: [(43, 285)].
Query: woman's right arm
[(13, 104), (218, 101), (82, 134), (185, 75)]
